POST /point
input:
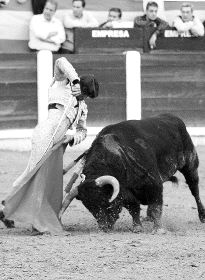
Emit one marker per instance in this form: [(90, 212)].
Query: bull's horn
[(101, 181), (67, 201)]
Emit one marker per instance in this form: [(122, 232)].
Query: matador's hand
[(76, 140), (68, 138), (76, 90)]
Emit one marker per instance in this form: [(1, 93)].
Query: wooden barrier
[(174, 82), (171, 82), (18, 87), (86, 40), (172, 40), (89, 40)]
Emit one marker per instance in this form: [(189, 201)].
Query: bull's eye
[(82, 177)]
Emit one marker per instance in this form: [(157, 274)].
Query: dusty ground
[(89, 254)]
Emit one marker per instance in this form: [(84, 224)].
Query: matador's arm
[(63, 69)]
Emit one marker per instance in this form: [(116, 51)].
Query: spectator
[(3, 3), (46, 31), (78, 17), (114, 20), (150, 19), (187, 24), (114, 16)]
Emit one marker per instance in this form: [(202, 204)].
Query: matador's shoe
[(6, 222), (35, 232)]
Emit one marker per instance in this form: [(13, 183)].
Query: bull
[(128, 163)]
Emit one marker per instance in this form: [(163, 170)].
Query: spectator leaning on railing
[(150, 19), (188, 24), (46, 31), (78, 17)]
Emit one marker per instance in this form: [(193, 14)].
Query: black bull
[(139, 156)]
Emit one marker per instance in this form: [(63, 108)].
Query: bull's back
[(160, 134)]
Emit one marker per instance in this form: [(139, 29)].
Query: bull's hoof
[(9, 223), (137, 228), (159, 231), (147, 219), (202, 218), (35, 232), (106, 228)]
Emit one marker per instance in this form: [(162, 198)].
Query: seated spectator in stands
[(150, 19), (187, 24), (46, 31), (114, 20), (78, 17), (114, 16), (3, 3)]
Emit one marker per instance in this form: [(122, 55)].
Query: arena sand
[(87, 253)]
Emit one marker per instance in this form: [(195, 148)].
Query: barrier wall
[(89, 40), (171, 82), (174, 82), (18, 88), (95, 40), (18, 91)]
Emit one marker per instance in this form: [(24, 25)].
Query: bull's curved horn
[(111, 180), (67, 201)]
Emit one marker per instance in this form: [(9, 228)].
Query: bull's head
[(99, 197)]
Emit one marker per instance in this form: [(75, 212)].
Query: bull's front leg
[(155, 212), (134, 210)]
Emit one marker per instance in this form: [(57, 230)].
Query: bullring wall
[(171, 82)]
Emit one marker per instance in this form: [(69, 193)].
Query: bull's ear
[(86, 188), (78, 197)]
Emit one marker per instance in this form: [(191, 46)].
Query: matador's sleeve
[(81, 129), (63, 69)]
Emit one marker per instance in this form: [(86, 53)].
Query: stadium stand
[(15, 18)]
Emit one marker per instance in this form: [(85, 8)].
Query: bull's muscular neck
[(121, 163), (102, 162)]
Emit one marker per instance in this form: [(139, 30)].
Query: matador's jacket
[(60, 94)]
